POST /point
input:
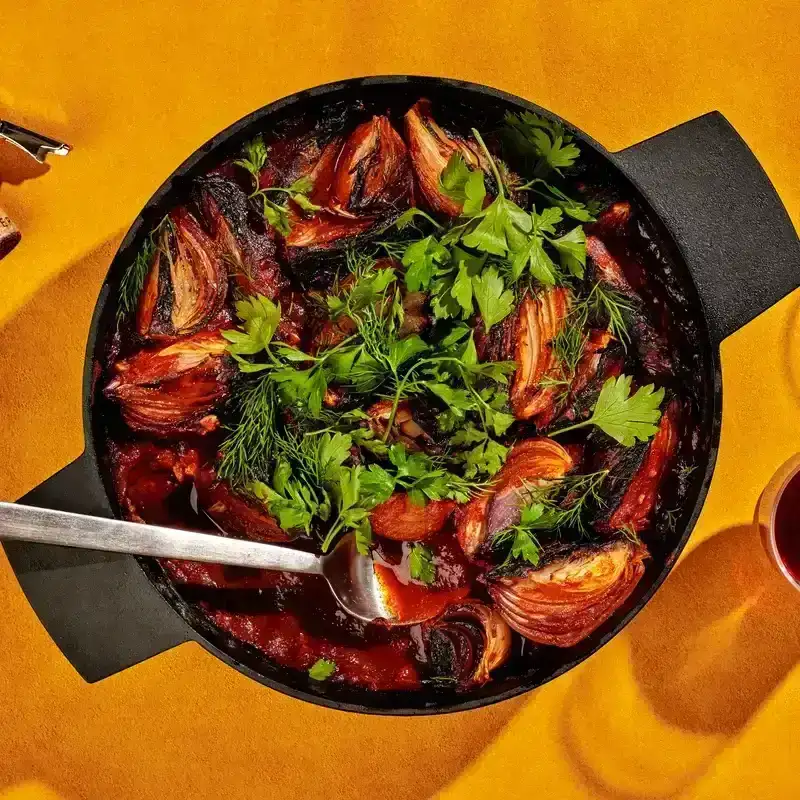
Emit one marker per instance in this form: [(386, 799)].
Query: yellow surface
[(698, 698)]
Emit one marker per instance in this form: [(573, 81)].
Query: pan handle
[(737, 239), (99, 608)]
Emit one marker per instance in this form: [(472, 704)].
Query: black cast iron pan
[(734, 252)]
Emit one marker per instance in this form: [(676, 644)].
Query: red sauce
[(787, 527), (284, 638)]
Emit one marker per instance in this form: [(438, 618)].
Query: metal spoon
[(351, 576)]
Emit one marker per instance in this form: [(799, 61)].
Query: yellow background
[(698, 697)]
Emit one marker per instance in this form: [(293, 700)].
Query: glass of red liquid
[(778, 520)]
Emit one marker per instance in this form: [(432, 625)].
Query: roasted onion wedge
[(187, 281), (236, 514), (532, 462), (563, 602), (637, 503), (539, 319), (431, 148), (171, 390), (359, 181), (249, 254), (466, 642), (405, 429), (372, 172), (400, 519)]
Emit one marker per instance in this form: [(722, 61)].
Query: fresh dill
[(550, 506), (132, 283), (246, 454)]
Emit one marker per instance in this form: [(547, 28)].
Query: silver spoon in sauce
[(352, 577)]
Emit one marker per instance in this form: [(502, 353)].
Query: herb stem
[(495, 171), (571, 427)]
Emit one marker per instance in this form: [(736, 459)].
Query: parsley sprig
[(420, 564), (256, 155), (623, 416)]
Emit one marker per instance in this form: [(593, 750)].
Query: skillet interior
[(485, 109)]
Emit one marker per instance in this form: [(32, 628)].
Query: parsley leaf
[(485, 458), (260, 318), (378, 483), (500, 229), (463, 185), (624, 417), (420, 564), (544, 141), (255, 158), (494, 300), (421, 261), (533, 256), (572, 250), (322, 669)]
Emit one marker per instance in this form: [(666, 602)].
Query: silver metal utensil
[(351, 576), (34, 144)]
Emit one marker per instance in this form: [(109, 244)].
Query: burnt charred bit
[(245, 243)]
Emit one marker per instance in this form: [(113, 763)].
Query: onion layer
[(466, 642), (562, 603), (171, 390), (530, 463), (400, 519), (539, 320), (430, 148), (187, 282)]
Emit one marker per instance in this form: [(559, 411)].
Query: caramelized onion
[(400, 519), (530, 463), (562, 603), (431, 148), (187, 282), (372, 170), (359, 181), (249, 254), (236, 514), (405, 429), (539, 320), (639, 499), (170, 390), (466, 642), (590, 373)]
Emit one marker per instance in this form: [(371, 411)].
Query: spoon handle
[(28, 524)]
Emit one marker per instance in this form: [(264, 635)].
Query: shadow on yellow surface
[(722, 635), (709, 649), (42, 357)]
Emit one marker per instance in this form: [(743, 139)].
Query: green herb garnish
[(420, 564), (256, 155), (322, 669), (623, 416)]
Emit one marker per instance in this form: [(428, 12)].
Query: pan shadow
[(185, 706), (790, 344), (17, 167), (707, 651)]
